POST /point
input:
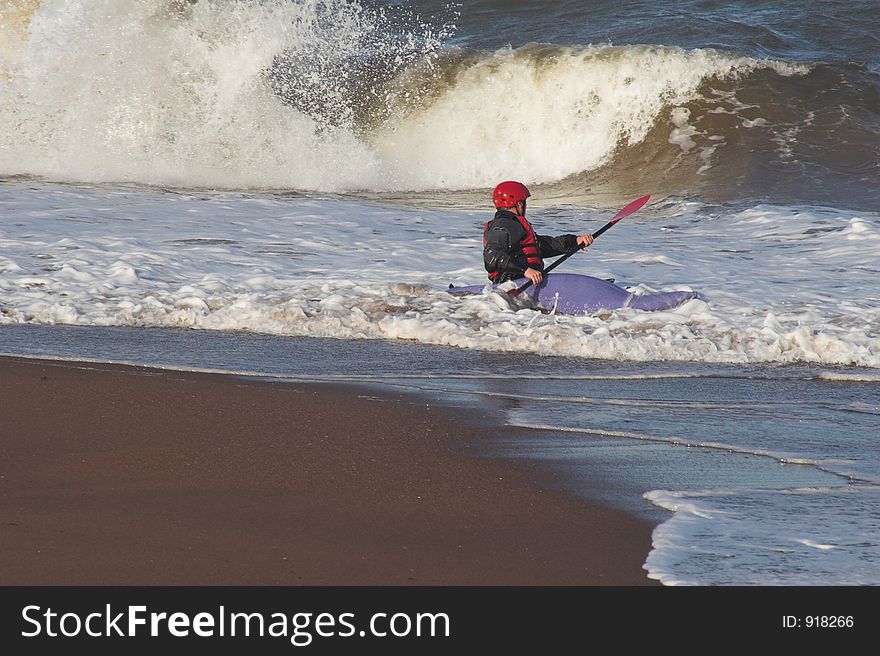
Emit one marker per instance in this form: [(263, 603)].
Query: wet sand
[(114, 475)]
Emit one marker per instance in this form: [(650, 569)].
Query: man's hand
[(534, 275), (584, 241)]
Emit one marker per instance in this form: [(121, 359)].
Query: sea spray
[(182, 94)]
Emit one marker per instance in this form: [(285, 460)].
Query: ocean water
[(278, 172)]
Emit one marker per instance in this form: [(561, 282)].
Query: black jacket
[(503, 253)]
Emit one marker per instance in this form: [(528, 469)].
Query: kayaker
[(511, 248)]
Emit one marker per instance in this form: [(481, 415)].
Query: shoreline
[(129, 475)]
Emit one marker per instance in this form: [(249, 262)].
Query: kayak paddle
[(622, 214)]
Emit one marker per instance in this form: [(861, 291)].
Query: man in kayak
[(511, 249)]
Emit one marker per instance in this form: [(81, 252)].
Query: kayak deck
[(572, 293)]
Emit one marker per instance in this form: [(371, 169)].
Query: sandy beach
[(114, 475)]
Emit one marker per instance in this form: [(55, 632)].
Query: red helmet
[(508, 194)]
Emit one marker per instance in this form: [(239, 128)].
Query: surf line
[(715, 446)]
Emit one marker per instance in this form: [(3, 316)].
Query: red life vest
[(528, 245)]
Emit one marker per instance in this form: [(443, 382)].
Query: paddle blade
[(625, 212), (634, 206)]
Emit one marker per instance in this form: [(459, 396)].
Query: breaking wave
[(334, 96)]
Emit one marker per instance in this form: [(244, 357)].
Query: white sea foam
[(352, 270), (849, 377)]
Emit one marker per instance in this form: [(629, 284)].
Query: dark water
[(833, 32)]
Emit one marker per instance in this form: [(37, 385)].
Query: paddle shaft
[(626, 211)]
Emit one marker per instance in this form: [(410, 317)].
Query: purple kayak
[(571, 293)]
